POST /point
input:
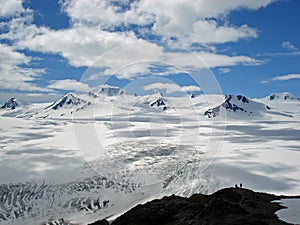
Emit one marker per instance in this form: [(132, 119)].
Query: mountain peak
[(69, 99), (284, 96), (111, 90), (157, 100), (11, 104), (237, 105)]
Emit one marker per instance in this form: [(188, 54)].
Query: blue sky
[(240, 47)]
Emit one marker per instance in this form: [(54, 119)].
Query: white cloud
[(205, 60), (282, 78), (188, 21), (190, 88), (83, 46), (127, 62), (171, 88), (286, 77), (188, 10), (11, 7), (172, 15), (13, 74), (289, 53), (20, 28), (208, 31), (223, 70), (29, 97), (91, 34), (184, 19), (69, 84), (289, 46), (105, 13), (264, 81), (125, 55)]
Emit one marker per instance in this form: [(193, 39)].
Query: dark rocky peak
[(69, 99), (158, 101), (11, 104)]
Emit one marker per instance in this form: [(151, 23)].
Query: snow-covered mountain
[(69, 100), (11, 104), (157, 100), (283, 97), (237, 106), (102, 101), (111, 90), (64, 106)]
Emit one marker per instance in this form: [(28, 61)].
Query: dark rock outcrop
[(11, 104), (100, 222), (232, 206), (158, 101)]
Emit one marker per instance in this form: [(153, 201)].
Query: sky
[(48, 47)]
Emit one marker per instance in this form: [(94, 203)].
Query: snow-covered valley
[(67, 159)]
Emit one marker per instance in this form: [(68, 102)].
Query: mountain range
[(233, 106)]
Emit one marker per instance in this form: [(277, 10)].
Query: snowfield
[(68, 159)]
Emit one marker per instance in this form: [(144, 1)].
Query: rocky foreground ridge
[(232, 206)]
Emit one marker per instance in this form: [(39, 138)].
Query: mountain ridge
[(283, 96), (232, 206)]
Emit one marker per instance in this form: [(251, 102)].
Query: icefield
[(95, 155)]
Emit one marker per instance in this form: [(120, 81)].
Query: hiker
[(241, 185)]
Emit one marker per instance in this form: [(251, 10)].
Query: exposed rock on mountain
[(67, 101), (111, 91), (237, 106), (285, 96), (158, 101), (11, 104)]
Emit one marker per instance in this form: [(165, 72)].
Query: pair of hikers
[(241, 185)]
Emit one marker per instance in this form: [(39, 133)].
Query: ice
[(122, 149)]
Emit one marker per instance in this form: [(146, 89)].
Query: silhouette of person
[(241, 185)]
